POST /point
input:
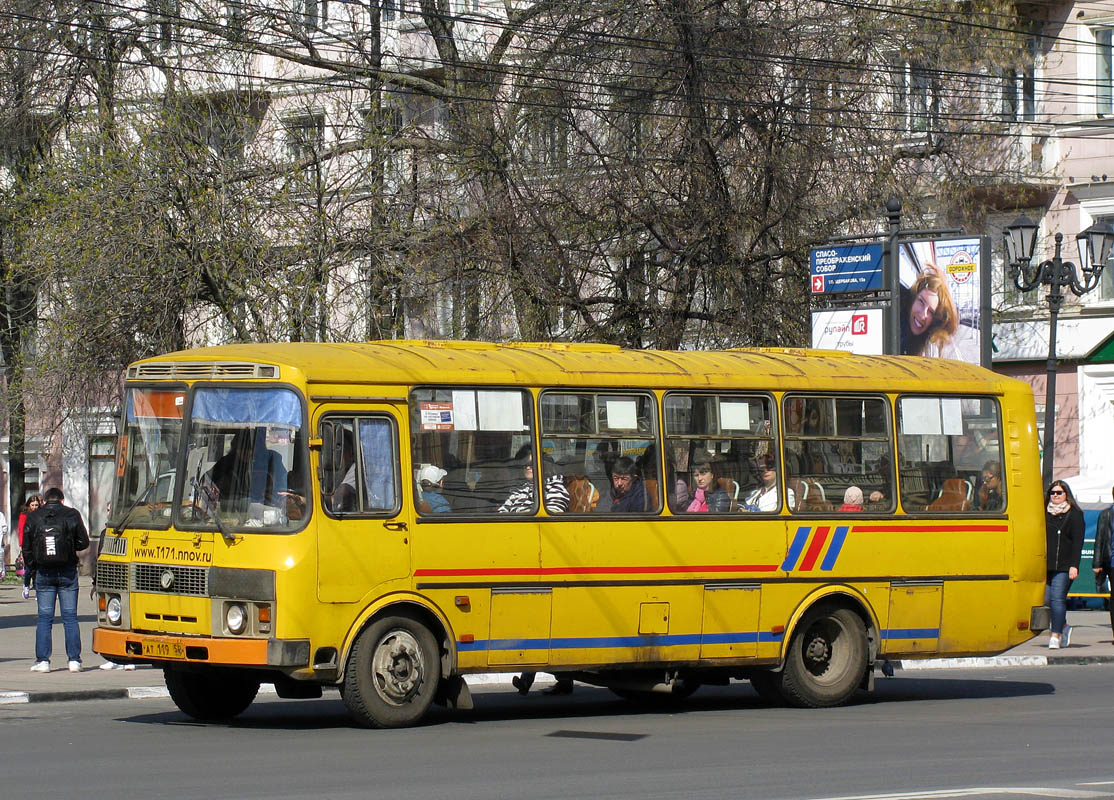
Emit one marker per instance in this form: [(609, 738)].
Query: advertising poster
[(859, 330), (942, 298)]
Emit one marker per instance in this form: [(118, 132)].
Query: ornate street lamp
[(1094, 252)]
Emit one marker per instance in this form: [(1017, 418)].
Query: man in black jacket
[(52, 537), (1101, 561)]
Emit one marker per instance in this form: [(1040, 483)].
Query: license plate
[(164, 650)]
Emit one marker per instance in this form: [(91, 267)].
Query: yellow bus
[(392, 516)]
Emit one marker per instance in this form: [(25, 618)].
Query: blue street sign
[(848, 268)]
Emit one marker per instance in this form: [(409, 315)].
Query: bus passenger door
[(914, 619), (363, 525)]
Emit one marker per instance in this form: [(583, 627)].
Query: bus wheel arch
[(829, 653), (394, 666)]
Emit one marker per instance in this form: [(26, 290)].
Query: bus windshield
[(245, 460), (147, 456)]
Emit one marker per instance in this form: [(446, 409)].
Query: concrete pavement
[(1090, 643)]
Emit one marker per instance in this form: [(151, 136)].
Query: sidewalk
[(1090, 643)]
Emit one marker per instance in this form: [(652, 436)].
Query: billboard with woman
[(943, 299)]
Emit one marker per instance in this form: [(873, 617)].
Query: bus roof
[(402, 362)]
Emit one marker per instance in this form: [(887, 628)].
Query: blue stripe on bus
[(833, 548), (796, 548), (589, 642), (911, 633)]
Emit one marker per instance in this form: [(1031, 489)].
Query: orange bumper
[(129, 645)]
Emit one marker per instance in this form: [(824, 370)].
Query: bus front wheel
[(827, 659), (392, 674), (210, 697)]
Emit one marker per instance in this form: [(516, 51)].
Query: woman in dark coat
[(1064, 527)]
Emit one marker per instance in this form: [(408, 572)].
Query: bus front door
[(363, 524)]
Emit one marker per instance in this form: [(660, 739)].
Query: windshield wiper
[(200, 493), (118, 530)]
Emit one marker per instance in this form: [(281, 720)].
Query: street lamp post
[(1094, 251)]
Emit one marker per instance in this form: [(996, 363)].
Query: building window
[(162, 14), (1106, 282), (1104, 96), (312, 14), (915, 97), (1018, 85), (389, 8), (234, 14), (304, 135)]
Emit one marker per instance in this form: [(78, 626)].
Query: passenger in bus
[(989, 497), (430, 479), (765, 497), (628, 492), (707, 496), (852, 500), (521, 500)]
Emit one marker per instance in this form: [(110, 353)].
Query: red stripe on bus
[(931, 528), (814, 548), (658, 570)]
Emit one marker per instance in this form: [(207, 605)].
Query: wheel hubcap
[(397, 667)]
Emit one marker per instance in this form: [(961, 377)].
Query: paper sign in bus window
[(622, 415), (920, 415), (464, 409), (500, 411), (951, 409), (436, 416), (734, 416)]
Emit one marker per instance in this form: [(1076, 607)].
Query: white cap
[(431, 473)]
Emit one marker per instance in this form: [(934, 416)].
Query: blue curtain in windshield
[(377, 447), (263, 406)]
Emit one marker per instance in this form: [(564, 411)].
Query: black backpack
[(54, 545)]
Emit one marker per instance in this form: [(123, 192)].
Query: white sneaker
[(75, 666), (1054, 642), (1066, 638), (41, 666), (109, 665), (127, 666)]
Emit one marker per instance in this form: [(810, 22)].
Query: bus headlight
[(235, 618), (114, 610)]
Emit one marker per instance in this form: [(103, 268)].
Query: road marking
[(973, 791)]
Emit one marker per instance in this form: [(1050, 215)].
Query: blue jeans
[(49, 584), (1056, 596)]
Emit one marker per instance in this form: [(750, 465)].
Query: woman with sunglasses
[(1064, 527)]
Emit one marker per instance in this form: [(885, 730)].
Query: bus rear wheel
[(210, 697), (392, 674), (827, 659)]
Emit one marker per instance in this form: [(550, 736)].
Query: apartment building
[(1064, 115)]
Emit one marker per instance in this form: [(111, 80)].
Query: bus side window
[(717, 449), (838, 459), (359, 465), (603, 449), (478, 442), (950, 455)]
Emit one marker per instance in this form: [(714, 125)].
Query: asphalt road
[(973, 733)]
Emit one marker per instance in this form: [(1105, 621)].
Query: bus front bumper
[(146, 647)]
